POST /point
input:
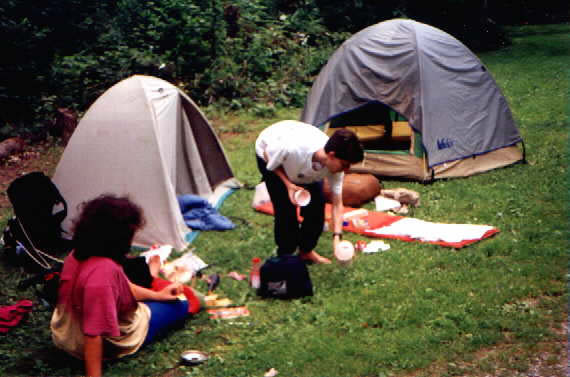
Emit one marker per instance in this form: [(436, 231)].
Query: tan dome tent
[(421, 102), (145, 138)]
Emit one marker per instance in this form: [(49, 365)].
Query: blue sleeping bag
[(199, 214)]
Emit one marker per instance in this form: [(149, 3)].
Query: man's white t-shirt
[(291, 144)]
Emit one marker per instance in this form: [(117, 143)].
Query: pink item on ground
[(236, 275), (12, 315)]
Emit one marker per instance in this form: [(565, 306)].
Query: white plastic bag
[(260, 196)]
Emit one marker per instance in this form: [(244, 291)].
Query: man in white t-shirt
[(291, 156)]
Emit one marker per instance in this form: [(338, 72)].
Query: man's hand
[(291, 190), (291, 187)]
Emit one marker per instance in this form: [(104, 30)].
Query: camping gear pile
[(376, 224), (390, 224), (143, 138), (33, 238)]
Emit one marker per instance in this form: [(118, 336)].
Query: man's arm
[(290, 186), (93, 355), (337, 212)]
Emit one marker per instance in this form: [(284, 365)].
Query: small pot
[(193, 357)]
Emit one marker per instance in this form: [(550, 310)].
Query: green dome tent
[(425, 105)]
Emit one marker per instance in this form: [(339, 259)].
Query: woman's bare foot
[(313, 256), (154, 265)]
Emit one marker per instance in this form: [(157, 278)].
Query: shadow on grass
[(45, 361)]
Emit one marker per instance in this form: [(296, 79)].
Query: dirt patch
[(510, 359)]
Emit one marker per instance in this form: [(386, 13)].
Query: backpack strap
[(38, 256)]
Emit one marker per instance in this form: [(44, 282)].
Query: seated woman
[(100, 314)]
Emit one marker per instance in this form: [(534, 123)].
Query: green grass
[(415, 309)]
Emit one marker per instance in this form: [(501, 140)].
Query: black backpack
[(285, 277), (33, 237)]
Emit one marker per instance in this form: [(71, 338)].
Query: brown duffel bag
[(357, 189)]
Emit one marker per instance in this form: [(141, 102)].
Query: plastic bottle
[(254, 278)]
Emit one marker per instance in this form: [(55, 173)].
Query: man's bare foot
[(154, 265), (314, 257)]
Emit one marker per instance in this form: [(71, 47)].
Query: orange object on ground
[(228, 313)]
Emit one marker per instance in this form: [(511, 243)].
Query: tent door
[(380, 129)]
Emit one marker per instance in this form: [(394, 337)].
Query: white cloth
[(182, 269), (385, 204), (292, 144), (163, 252), (261, 195), (428, 231)]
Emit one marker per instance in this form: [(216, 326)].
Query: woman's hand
[(170, 292)]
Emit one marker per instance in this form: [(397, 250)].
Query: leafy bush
[(65, 53), (269, 59), (32, 37), (239, 56), (355, 15)]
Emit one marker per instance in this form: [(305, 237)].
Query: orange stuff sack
[(357, 189)]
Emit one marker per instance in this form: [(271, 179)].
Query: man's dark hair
[(345, 145), (106, 227)]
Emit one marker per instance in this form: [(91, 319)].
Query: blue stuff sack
[(285, 277), (199, 214)]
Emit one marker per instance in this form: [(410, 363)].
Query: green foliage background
[(67, 58), (232, 54)]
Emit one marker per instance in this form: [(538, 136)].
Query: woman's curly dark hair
[(106, 227)]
